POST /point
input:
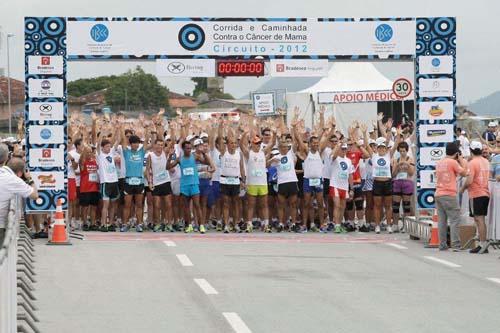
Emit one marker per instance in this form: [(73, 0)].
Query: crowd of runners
[(240, 176)]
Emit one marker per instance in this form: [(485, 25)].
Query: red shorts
[(72, 193), (338, 193)]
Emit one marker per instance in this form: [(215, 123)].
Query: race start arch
[(50, 42)]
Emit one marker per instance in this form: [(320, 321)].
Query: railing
[(8, 271)]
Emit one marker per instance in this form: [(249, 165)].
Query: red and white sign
[(45, 65), (357, 97), (402, 88)]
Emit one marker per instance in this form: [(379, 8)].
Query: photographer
[(15, 181), (447, 206)]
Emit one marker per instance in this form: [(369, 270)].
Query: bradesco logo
[(384, 33), (99, 33), (45, 61), (191, 37)]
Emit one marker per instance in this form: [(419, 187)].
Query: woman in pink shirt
[(479, 194), (447, 206)]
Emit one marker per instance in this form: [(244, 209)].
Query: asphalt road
[(264, 283)]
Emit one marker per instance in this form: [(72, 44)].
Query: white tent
[(343, 77)]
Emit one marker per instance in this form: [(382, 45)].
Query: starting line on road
[(184, 260), (206, 287), (236, 322), (443, 262)]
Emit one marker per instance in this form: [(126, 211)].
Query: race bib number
[(343, 175), (188, 171), (93, 177), (162, 176), (314, 182), (402, 175), (230, 180), (258, 173), (134, 181), (285, 167), (381, 173)]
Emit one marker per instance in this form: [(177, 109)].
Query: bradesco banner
[(358, 97), (122, 37)]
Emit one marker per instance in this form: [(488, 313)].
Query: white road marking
[(236, 323), (397, 246), (205, 286), (184, 260), (496, 280), (443, 262), (169, 243)]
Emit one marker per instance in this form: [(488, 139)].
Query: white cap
[(492, 124), (203, 135), (189, 137), (380, 142), (198, 142), (394, 130), (475, 145), (168, 137), (275, 151), (344, 146), (371, 141)]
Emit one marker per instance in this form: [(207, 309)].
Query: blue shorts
[(214, 194), (204, 187), (312, 189), (190, 190)]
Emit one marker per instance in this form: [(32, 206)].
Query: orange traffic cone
[(59, 236), (434, 240)]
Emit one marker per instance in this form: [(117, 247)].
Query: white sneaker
[(389, 229), (377, 229)]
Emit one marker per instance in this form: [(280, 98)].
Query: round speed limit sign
[(402, 88)]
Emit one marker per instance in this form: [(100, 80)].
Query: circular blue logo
[(99, 33), (284, 160), (343, 165), (381, 162), (191, 37), (436, 62), (45, 134), (384, 32)]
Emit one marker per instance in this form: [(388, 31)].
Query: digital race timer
[(240, 67)]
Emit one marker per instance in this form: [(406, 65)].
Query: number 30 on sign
[(402, 88)]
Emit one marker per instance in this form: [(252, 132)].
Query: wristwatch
[(30, 181)]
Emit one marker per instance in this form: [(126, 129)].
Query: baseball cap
[(492, 124), (344, 146), (203, 135), (189, 137), (198, 142), (380, 142), (476, 145), (256, 139), (275, 151)]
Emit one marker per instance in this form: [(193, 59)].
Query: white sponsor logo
[(435, 64), (436, 133), (48, 180), (435, 110), (50, 134), (46, 111), (292, 67), (436, 87), (44, 88), (186, 67), (46, 157), (430, 155)]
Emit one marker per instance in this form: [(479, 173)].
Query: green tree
[(82, 87), (201, 85)]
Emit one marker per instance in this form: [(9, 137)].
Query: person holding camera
[(448, 209)]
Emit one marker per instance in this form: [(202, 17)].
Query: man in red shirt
[(479, 194), (89, 187)]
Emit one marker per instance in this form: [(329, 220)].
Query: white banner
[(430, 155), (436, 133), (48, 180), (46, 111), (46, 157), (263, 104), (45, 65), (436, 87), (45, 88), (185, 67), (50, 134), (250, 37), (359, 97), (435, 110), (298, 67), (435, 64)]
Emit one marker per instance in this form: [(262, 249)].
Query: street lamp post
[(8, 83)]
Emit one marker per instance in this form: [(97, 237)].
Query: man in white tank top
[(160, 185), (108, 177), (257, 178)]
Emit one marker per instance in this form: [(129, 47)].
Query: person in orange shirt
[(479, 194), (447, 206)]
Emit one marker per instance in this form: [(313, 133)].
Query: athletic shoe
[(226, 229), (124, 228), (202, 229), (313, 228), (339, 229), (169, 228), (348, 227), (249, 227), (377, 229), (323, 229), (330, 226), (103, 228), (268, 229), (157, 228), (189, 229), (86, 227), (389, 229), (302, 229), (219, 226), (93, 227), (111, 228), (41, 234), (364, 228), (150, 226), (478, 249), (237, 229), (280, 227), (138, 228)]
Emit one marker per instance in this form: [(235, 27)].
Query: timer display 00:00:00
[(228, 68)]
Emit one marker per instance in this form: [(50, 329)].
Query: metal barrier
[(17, 275), (418, 228)]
